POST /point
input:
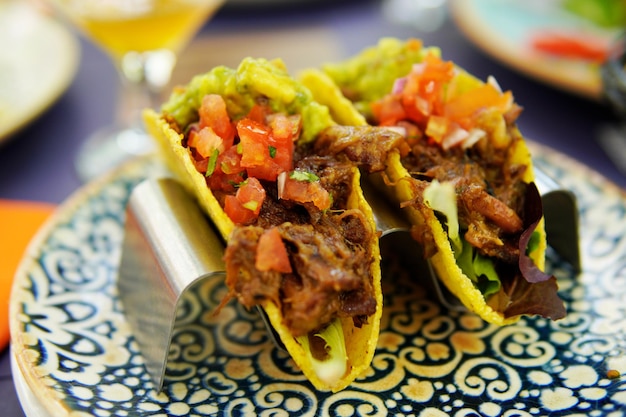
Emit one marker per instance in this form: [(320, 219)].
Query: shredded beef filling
[(329, 253), (490, 194), (490, 191), (367, 146)]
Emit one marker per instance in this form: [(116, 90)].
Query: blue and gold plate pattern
[(76, 355)]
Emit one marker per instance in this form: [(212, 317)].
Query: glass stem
[(143, 79)]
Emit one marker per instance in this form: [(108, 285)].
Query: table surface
[(37, 164)]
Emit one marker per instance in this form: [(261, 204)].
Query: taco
[(300, 237), (462, 173)]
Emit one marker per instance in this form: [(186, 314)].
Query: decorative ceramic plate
[(504, 29), (38, 60), (74, 351)]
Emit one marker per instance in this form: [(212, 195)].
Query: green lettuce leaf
[(441, 197), (334, 365), (479, 269)]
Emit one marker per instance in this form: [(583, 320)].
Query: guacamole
[(254, 79), (371, 74)]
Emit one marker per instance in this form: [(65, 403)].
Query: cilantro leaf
[(303, 176)]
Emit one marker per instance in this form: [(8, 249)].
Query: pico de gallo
[(235, 156)]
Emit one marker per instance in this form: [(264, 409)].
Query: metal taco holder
[(169, 245), (560, 211)]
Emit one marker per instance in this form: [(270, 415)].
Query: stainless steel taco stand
[(169, 245), (560, 211), (395, 233)]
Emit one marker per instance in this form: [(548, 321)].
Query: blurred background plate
[(38, 60), (507, 30)]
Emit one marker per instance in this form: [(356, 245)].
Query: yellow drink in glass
[(143, 39), (121, 26)]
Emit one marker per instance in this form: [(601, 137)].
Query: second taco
[(462, 172)]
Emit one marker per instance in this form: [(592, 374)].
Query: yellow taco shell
[(370, 75), (239, 88)]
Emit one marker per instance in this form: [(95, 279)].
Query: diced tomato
[(436, 69), (201, 164), (192, 136), (282, 142), (263, 154), (213, 113), (270, 170), (432, 79), (421, 95), (251, 194), (264, 150), (416, 106), (244, 207), (389, 110), (225, 182), (281, 127), (254, 140), (267, 172), (271, 253), (230, 161), (205, 141), (237, 212), (306, 192), (258, 113), (421, 100), (228, 171)]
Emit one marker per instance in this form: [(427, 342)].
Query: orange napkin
[(19, 220)]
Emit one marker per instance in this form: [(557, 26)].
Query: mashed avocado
[(371, 74), (253, 79)]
